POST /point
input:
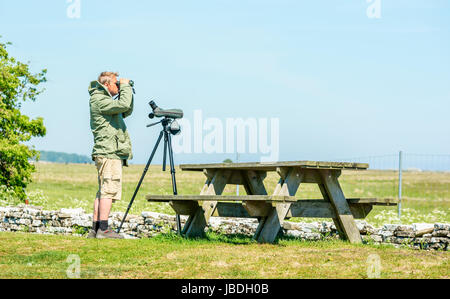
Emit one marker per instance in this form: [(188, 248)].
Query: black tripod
[(166, 132)]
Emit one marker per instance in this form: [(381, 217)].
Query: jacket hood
[(97, 87)]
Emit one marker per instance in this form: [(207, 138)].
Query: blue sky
[(342, 84)]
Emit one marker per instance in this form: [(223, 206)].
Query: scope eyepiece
[(153, 105)]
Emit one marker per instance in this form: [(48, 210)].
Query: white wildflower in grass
[(409, 216), (37, 198), (8, 197), (440, 212)]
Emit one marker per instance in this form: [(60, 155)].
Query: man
[(112, 145)]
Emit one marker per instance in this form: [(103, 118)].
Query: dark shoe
[(108, 234), (92, 234)]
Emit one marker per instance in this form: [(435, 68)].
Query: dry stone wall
[(76, 222)]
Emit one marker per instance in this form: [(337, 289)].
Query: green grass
[(169, 256), (426, 195), (55, 186)]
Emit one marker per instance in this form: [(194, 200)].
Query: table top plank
[(272, 166)]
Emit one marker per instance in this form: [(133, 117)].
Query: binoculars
[(118, 83)]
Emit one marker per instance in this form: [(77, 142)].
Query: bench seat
[(263, 198), (254, 206)]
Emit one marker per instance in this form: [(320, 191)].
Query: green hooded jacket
[(111, 138)]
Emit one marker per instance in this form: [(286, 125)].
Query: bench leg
[(253, 182), (262, 221), (272, 225), (288, 186), (196, 224), (335, 219), (343, 213)]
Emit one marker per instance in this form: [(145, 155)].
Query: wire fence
[(410, 162), (405, 169), (421, 162), (382, 162)]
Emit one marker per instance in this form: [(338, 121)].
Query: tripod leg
[(165, 151), (174, 182), (142, 178)]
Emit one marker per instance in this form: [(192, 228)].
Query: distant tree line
[(57, 157)]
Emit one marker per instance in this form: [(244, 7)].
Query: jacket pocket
[(123, 144), (116, 143)]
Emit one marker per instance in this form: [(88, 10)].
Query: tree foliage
[(17, 85)]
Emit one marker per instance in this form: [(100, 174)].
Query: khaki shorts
[(109, 178)]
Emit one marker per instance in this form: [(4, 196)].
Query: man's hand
[(124, 81)]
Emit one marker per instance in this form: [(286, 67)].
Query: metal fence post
[(237, 186), (400, 166)]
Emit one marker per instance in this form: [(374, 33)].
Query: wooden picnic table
[(272, 210)]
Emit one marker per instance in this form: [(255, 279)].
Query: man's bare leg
[(96, 217), (104, 210), (95, 220)]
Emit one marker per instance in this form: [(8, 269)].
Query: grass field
[(34, 256), (426, 195), (55, 186)]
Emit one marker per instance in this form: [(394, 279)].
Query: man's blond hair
[(106, 77)]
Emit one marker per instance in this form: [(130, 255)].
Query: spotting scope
[(170, 113)]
